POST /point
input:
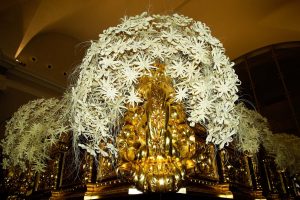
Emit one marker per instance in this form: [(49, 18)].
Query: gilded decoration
[(235, 168), (156, 144), (18, 182), (205, 159), (106, 169)]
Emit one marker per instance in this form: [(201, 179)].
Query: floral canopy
[(202, 76)]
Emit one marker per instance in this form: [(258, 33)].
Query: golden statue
[(156, 144)]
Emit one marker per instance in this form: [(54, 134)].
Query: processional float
[(152, 109)]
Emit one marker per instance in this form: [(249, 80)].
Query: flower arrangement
[(32, 131), (251, 130), (254, 130), (201, 74), (285, 148)]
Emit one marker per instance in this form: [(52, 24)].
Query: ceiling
[(48, 38)]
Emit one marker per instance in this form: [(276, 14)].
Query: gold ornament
[(155, 144)]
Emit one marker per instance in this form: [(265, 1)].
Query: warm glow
[(92, 197), (227, 196), (182, 191), (161, 181), (134, 191)]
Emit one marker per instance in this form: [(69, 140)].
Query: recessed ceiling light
[(33, 59)]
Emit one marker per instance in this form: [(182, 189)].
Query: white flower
[(119, 46), (181, 94), (106, 82), (201, 28), (158, 52), (110, 92), (219, 58), (135, 46), (177, 69), (151, 42), (181, 20), (199, 46), (131, 75), (200, 88), (198, 115), (205, 104), (144, 62), (133, 98), (225, 141), (223, 112), (213, 41), (126, 26), (224, 88), (117, 107), (184, 45), (200, 53), (108, 62), (171, 35)]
